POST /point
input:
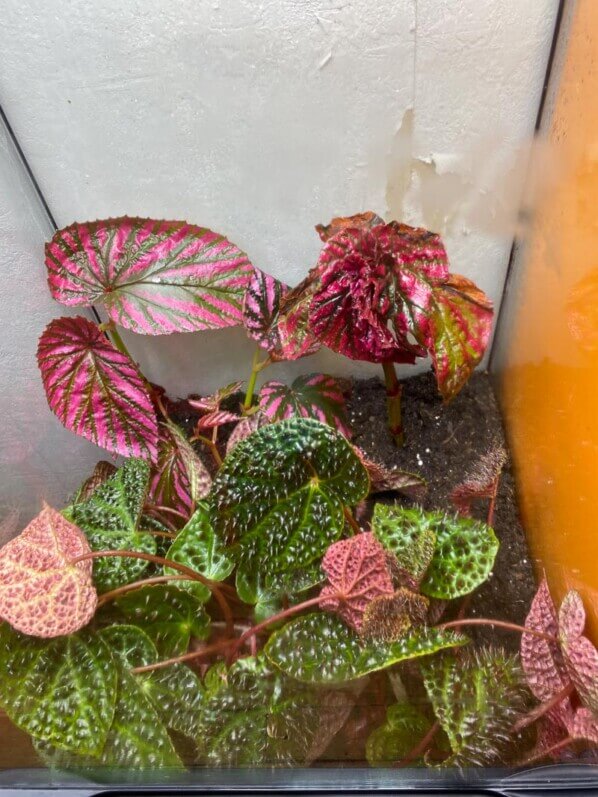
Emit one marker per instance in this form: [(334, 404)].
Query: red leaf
[(96, 390), (580, 655), (317, 396), (542, 660), (360, 221), (154, 277), (41, 593), (277, 319), (179, 478), (357, 571)]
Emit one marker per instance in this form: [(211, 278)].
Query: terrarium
[(301, 579)]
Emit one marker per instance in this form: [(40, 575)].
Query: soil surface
[(442, 443)]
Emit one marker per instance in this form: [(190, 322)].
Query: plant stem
[(211, 445), (555, 748), (256, 367), (118, 341), (420, 748), (105, 597), (492, 505), (351, 520), (498, 624), (159, 560), (543, 708), (161, 509), (393, 403), (196, 654)]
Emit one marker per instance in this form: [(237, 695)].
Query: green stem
[(256, 366), (393, 403), (118, 341)]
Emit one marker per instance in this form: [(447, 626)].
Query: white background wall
[(258, 118)]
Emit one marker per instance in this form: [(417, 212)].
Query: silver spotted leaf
[(281, 492), (111, 520), (267, 592), (464, 550), (319, 648), (476, 698), (197, 546), (62, 691), (252, 715)]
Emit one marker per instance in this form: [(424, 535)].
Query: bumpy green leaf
[(254, 716), (476, 698), (281, 492), (198, 547), (110, 519), (265, 593), (175, 692), (320, 648), (168, 615), (464, 552), (62, 690), (403, 728)]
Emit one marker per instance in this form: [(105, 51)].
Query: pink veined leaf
[(179, 478), (481, 481), (357, 571), (542, 660), (384, 294), (153, 277), (277, 318), (317, 396), (360, 221), (95, 390), (585, 726), (458, 332), (216, 418), (41, 592), (243, 429), (580, 655), (213, 402)]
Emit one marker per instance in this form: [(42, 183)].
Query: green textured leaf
[(476, 698), (61, 690), (281, 492), (254, 716), (198, 547), (266, 593), (464, 551), (175, 692), (168, 615), (110, 519), (137, 740), (320, 648), (392, 741)]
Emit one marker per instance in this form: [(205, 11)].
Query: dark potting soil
[(442, 443)]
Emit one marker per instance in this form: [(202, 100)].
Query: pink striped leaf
[(213, 402), (95, 390), (317, 396), (276, 318), (44, 593), (153, 277), (245, 427), (179, 478), (383, 293), (215, 419)]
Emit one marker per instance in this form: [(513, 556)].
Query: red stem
[(492, 505), (549, 751), (351, 521), (105, 597), (543, 708), (393, 403), (420, 748), (159, 560), (498, 624)]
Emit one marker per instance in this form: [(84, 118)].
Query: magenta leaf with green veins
[(384, 294), (179, 478), (357, 571), (152, 277), (318, 396), (276, 318), (95, 390)]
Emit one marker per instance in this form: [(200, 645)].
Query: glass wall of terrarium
[(293, 508)]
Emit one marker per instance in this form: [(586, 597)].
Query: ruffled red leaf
[(357, 571), (318, 396), (96, 390), (360, 221), (154, 277), (179, 478), (41, 592)]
